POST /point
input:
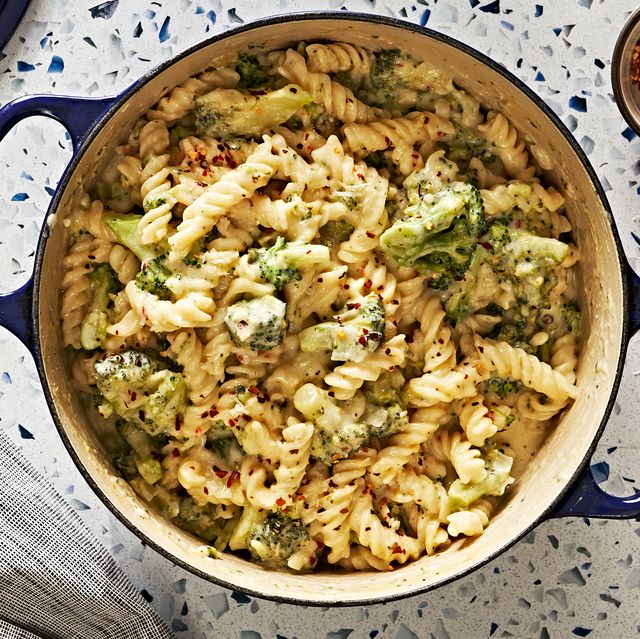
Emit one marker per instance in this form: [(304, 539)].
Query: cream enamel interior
[(547, 472)]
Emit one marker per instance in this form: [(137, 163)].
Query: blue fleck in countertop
[(569, 577)]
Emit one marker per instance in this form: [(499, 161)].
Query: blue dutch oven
[(556, 482)]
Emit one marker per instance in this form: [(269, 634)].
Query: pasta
[(314, 316)]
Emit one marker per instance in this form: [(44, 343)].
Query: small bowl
[(627, 93)]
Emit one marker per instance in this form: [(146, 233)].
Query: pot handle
[(586, 498), (77, 115)]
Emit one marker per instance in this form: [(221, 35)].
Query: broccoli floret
[(273, 541), (337, 433), (468, 144), (294, 123), (386, 421), (494, 309), (226, 448), (282, 262), (335, 232), (572, 318), (387, 414), (531, 256), (179, 132), (94, 325), (439, 234), (459, 305), (514, 335), (258, 324), (385, 391), (198, 519), (125, 227), (357, 331), (251, 72), (501, 386), (498, 235), (397, 421), (144, 460), (378, 160), (154, 274), (498, 467), (138, 390), (126, 465), (227, 113), (332, 447), (395, 68), (153, 277), (153, 203)]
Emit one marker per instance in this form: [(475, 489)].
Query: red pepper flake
[(344, 511), (370, 234), (397, 549), (280, 502), (486, 245), (141, 415), (490, 414), (254, 390), (234, 475), (362, 340), (312, 561), (219, 472), (213, 411), (205, 490), (175, 452)]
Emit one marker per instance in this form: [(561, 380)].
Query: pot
[(556, 482)]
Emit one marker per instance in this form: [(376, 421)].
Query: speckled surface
[(569, 577)]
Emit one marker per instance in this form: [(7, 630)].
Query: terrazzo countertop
[(569, 577)]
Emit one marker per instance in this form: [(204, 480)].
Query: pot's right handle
[(586, 498), (77, 115)]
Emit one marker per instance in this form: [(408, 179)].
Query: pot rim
[(352, 17)]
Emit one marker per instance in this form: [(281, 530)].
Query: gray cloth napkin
[(56, 580)]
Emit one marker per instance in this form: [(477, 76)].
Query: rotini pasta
[(315, 294)]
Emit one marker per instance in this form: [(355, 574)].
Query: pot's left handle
[(77, 115)]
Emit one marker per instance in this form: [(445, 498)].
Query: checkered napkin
[(56, 580)]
